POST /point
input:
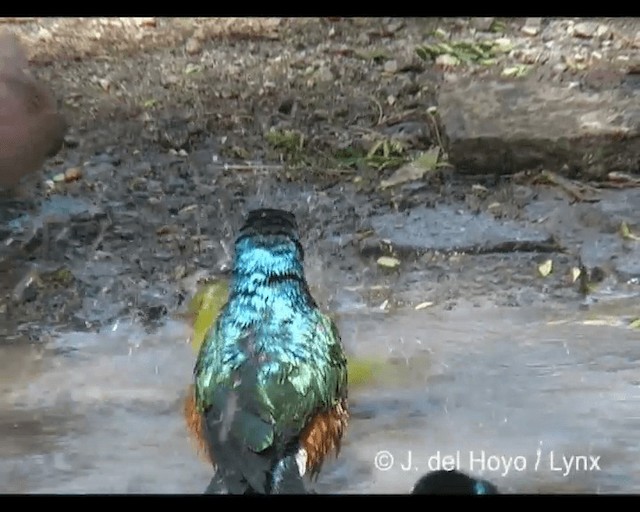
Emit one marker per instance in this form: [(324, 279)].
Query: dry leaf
[(388, 262), (545, 268)]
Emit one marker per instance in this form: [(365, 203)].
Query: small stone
[(602, 31), (585, 29), (532, 26), (527, 56), (72, 174), (391, 66), (483, 24), (193, 46), (44, 34), (145, 22), (447, 61), (560, 67), (169, 79), (104, 83), (394, 26)]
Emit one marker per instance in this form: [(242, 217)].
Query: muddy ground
[(179, 127)]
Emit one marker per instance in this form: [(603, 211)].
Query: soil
[(179, 126)]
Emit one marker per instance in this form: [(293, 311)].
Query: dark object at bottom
[(452, 482)]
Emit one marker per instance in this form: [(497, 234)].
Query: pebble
[(72, 174), (585, 29), (531, 26), (447, 60), (391, 66), (483, 24), (193, 46)]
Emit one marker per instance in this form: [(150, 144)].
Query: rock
[(391, 66), (394, 26), (73, 174), (145, 22), (447, 61), (532, 26), (31, 128), (501, 126), (483, 24), (602, 77), (169, 79), (585, 29), (193, 46)]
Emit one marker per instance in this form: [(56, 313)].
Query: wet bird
[(269, 398), (31, 128), (452, 482)]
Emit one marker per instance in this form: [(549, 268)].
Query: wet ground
[(484, 352), (484, 385)]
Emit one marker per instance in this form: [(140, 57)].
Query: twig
[(17, 21), (248, 167), (436, 129), (380, 112)]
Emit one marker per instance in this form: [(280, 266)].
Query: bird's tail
[(284, 479), (248, 456), (240, 470)]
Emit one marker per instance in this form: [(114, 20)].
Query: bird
[(453, 482), (31, 127), (270, 399)]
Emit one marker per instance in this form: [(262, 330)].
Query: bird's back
[(271, 363)]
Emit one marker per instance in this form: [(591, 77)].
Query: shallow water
[(101, 412)]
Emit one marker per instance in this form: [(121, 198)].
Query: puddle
[(101, 413)]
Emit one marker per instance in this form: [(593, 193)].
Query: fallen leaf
[(626, 233), (388, 262), (516, 71), (545, 268), (414, 170), (575, 274)]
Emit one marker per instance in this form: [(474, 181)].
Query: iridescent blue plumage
[(269, 365)]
